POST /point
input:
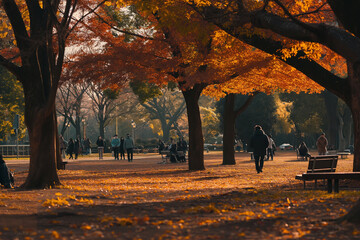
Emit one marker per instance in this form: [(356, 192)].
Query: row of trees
[(186, 50)]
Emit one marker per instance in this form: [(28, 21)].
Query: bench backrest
[(323, 163)]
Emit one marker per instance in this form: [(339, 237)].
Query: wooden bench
[(332, 177), (343, 155), (319, 164), (165, 156)]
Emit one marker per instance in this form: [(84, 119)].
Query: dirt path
[(147, 200)]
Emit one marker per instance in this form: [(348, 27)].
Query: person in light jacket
[(129, 146), (115, 144)]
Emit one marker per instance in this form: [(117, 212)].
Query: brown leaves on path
[(147, 200)]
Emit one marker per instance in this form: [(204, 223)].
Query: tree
[(211, 122), (253, 71), (40, 29), (304, 26), (167, 106), (188, 52), (165, 59), (70, 100), (342, 38), (104, 105), (308, 114)]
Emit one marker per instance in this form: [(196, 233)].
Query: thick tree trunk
[(166, 131), (196, 140), (354, 104), (44, 155), (229, 130)]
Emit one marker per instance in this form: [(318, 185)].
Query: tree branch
[(246, 104), (338, 40), (10, 66), (18, 25)]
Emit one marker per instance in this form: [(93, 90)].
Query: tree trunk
[(44, 154), (354, 104), (331, 103), (230, 115), (342, 143), (78, 127), (353, 215), (101, 129), (229, 130), (196, 140), (166, 131)]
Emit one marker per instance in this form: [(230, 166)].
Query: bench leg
[(315, 183), (304, 184), (336, 185), (329, 185)]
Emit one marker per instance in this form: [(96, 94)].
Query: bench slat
[(332, 175)]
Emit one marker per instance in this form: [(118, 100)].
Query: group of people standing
[(119, 146), (74, 147)]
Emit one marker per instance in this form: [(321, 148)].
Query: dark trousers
[(130, 153), (122, 154), (270, 154), (116, 153), (259, 162)]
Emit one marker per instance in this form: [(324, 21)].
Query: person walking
[(129, 146), (115, 145), (62, 145), (161, 146), (87, 146), (271, 148), (101, 144), (122, 149), (321, 144), (70, 148), (77, 147), (259, 143)]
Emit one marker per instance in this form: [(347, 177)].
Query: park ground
[(143, 199)]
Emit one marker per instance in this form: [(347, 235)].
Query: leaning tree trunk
[(44, 155), (229, 130), (196, 140)]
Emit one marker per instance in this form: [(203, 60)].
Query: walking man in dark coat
[(259, 142)]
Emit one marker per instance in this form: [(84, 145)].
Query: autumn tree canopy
[(33, 42)]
